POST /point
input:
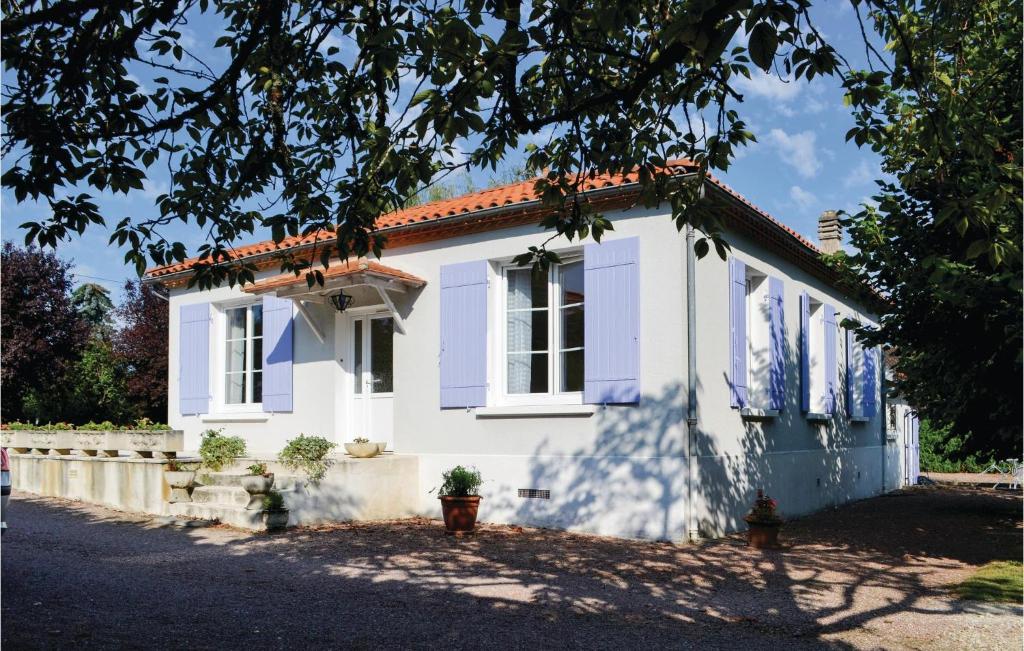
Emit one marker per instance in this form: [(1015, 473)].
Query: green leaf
[(762, 46)]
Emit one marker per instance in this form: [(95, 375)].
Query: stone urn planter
[(362, 450), (180, 482), (763, 535), (381, 446), (257, 486), (459, 513), (275, 520)]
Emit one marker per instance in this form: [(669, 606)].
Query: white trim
[(240, 417), (314, 325), (526, 411)]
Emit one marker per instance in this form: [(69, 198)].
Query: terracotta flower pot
[(763, 535), (459, 512)]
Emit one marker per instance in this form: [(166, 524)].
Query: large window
[(758, 328), (543, 348), (243, 367)]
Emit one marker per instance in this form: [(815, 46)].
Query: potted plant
[(218, 450), (257, 483), (361, 448), (309, 454), (459, 499), (180, 476), (275, 515), (764, 523)]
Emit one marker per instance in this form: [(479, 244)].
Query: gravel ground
[(874, 574)]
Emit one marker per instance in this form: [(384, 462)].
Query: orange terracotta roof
[(512, 196), (350, 267)]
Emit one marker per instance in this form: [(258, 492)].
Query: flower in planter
[(763, 511), (259, 468)]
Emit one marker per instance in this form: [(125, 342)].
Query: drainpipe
[(885, 419), (691, 378)]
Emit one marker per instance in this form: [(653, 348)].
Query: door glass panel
[(382, 355), (357, 355)]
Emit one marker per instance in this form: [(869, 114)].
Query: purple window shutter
[(851, 372), (777, 370), (831, 368), (805, 352), (464, 335), (870, 372), (737, 333), (194, 359), (278, 333), (611, 322)]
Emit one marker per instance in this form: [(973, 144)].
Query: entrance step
[(234, 516), (223, 495), (232, 479)]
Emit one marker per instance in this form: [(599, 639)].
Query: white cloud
[(863, 174), (803, 199), (762, 84), (797, 150)]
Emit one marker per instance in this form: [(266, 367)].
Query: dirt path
[(873, 574)]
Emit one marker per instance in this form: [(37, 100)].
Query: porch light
[(341, 301)]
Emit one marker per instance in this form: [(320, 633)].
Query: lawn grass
[(995, 581)]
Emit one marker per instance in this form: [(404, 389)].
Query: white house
[(633, 390)]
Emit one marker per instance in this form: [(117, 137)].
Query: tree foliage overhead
[(943, 244), (316, 117)]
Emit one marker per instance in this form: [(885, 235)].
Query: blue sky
[(800, 165)]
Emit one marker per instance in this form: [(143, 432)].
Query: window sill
[(747, 413), (818, 417), (535, 411), (859, 419), (240, 417)]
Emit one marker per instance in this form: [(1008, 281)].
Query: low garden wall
[(159, 444)]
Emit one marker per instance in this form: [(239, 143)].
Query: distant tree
[(93, 302), (510, 174), (42, 333), (141, 345), (97, 387)]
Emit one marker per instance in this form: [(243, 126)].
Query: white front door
[(372, 377)]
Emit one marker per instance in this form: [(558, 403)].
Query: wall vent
[(535, 493)]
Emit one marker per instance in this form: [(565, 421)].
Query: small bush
[(273, 501), (307, 453), (360, 439), (173, 465), (105, 426), (258, 469), (217, 449), (149, 425), (460, 482)]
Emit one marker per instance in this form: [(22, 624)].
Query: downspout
[(885, 419), (691, 374)]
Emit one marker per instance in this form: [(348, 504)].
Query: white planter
[(362, 450), (180, 478)]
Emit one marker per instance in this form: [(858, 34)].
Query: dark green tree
[(943, 244), (93, 303)]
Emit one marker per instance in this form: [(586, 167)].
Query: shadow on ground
[(874, 573)]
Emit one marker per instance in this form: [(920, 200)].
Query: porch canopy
[(366, 281)]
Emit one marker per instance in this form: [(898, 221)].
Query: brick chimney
[(830, 235)]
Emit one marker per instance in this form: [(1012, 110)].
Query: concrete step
[(281, 482), (233, 516), (224, 495)]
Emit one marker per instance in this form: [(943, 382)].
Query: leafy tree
[(93, 303), (943, 244), (42, 333), (98, 389), (141, 346), (331, 114)]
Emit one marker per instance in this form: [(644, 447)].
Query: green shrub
[(105, 426), (940, 451), (307, 453), (460, 482), (147, 424), (273, 501), (217, 449), (258, 469)]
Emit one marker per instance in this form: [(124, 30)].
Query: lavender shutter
[(831, 367), (870, 383), (194, 359), (464, 335), (777, 332), (850, 373), (278, 332), (805, 352), (737, 333), (611, 322)]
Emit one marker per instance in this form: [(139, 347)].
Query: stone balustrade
[(158, 444)]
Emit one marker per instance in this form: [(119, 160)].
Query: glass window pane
[(382, 346), (572, 327), (528, 373), (357, 356), (257, 354), (257, 320), (257, 386), (236, 323), (527, 289), (527, 331), (572, 371), (235, 356), (235, 389), (570, 278)]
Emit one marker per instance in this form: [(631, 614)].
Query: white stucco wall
[(623, 470)]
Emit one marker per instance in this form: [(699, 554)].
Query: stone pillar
[(830, 234)]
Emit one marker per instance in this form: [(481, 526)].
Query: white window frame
[(220, 355), (499, 372), (758, 329), (816, 350), (856, 410)]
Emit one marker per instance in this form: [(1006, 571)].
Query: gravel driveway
[(872, 574)]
